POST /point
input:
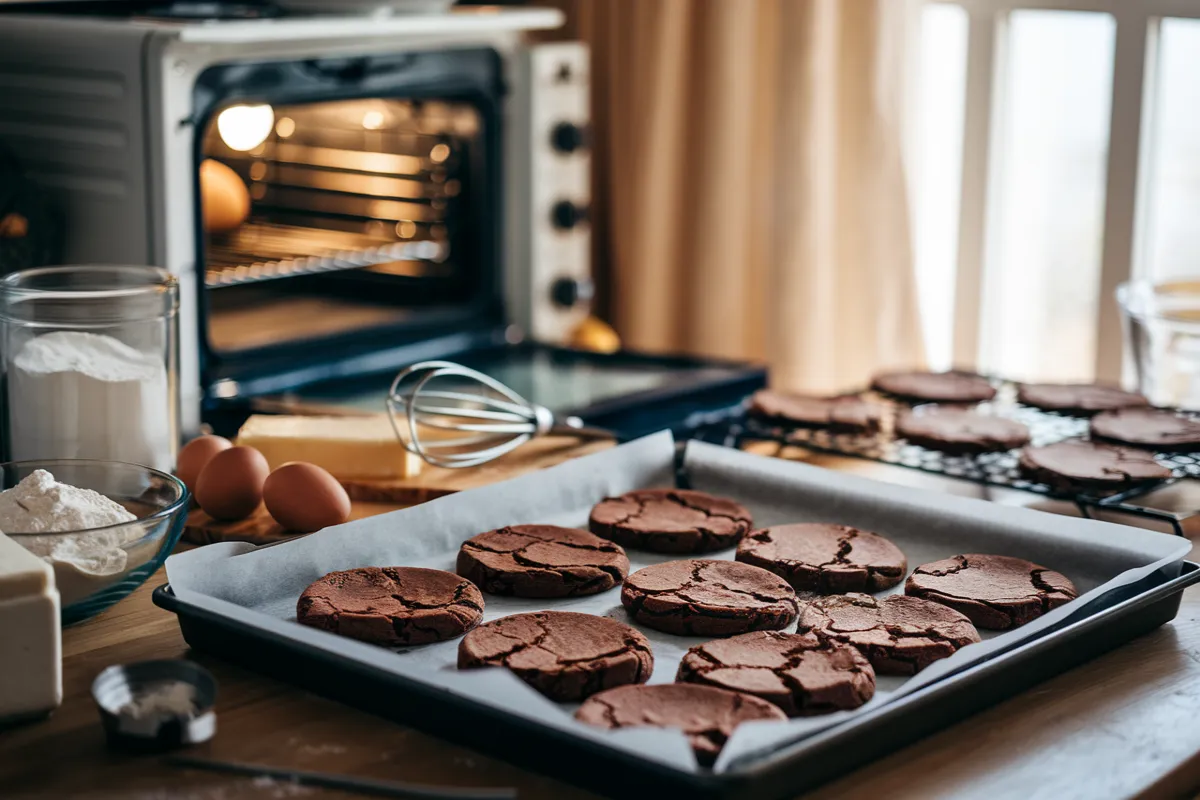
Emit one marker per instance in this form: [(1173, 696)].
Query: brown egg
[(305, 498), (224, 200), (195, 455), (596, 335), (231, 485)]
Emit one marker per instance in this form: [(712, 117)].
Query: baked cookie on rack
[(1151, 428), (1078, 398), (1076, 465), (935, 387), (846, 414), (957, 431)]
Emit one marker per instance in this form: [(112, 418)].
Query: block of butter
[(364, 448), (30, 635)]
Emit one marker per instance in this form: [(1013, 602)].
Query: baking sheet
[(261, 585)]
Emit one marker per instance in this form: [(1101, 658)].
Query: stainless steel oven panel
[(100, 110), (550, 282)]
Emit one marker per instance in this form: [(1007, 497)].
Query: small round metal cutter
[(154, 706)]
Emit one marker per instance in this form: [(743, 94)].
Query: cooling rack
[(988, 469)]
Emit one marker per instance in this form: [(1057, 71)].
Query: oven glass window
[(331, 219)]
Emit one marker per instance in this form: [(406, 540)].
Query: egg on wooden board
[(195, 455), (304, 498), (230, 486), (224, 199)]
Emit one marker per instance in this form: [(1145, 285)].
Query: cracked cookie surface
[(564, 655), (899, 635), (994, 592), (1078, 398), (944, 387), (1075, 465), (825, 558), (699, 597), (798, 672), (542, 561), (706, 715), (957, 431), (848, 414), (392, 605), (670, 521), (1153, 428)]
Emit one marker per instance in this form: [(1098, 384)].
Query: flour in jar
[(52, 521), (73, 394)]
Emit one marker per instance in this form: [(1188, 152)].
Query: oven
[(337, 194), (348, 206)]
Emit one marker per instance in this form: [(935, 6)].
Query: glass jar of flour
[(90, 360)]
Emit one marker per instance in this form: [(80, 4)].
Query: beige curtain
[(750, 197)]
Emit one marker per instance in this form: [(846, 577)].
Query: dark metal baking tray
[(1139, 608)]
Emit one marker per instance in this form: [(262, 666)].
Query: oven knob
[(567, 137), (567, 215), (570, 292)]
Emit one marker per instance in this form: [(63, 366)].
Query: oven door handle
[(356, 69)]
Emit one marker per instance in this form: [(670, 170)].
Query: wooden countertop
[(1123, 725)]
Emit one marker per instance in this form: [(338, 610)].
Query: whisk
[(493, 418)]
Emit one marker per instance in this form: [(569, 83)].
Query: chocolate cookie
[(994, 592), (1077, 398), (899, 635), (707, 716), (1075, 465), (849, 414), (1151, 428), (670, 521), (798, 672), (564, 655), (937, 387), (709, 598), (392, 605), (542, 561), (825, 558), (955, 431)]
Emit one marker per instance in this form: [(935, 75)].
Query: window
[(1055, 154)]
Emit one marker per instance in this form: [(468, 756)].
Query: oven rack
[(262, 252), (987, 469)]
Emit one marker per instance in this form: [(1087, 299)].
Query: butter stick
[(30, 635), (362, 448)]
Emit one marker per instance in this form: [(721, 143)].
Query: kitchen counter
[(1124, 724)]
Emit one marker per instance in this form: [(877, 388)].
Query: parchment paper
[(261, 585)]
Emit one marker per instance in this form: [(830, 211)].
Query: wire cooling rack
[(989, 469)]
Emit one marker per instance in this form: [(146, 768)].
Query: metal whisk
[(494, 418)]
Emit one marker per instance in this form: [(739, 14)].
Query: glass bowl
[(95, 568), (1162, 335)]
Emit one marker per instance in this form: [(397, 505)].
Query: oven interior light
[(372, 120), (244, 128)]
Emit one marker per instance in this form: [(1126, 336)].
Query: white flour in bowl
[(37, 510)]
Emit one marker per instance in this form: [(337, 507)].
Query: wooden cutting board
[(376, 497)]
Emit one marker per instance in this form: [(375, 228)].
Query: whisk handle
[(573, 426)]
